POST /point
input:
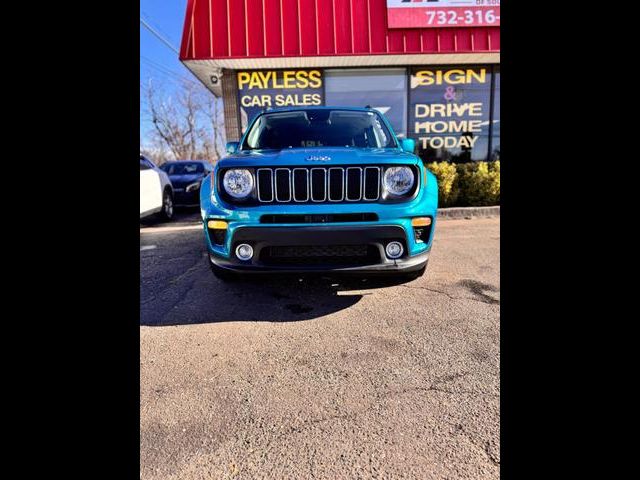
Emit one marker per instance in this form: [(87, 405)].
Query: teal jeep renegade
[(319, 189)]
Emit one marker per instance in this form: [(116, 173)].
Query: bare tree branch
[(186, 126)]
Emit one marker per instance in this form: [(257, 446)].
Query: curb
[(469, 212)]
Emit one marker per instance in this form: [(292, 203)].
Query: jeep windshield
[(318, 128)]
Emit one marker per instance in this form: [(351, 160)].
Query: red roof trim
[(223, 29)]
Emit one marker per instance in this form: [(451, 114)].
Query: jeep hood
[(318, 157)]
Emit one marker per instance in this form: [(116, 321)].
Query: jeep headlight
[(398, 180), (192, 187), (238, 182)]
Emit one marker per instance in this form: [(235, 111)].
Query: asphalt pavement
[(320, 378)]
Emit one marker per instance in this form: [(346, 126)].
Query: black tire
[(167, 205)]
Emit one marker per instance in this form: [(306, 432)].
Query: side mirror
[(408, 144), (232, 147)]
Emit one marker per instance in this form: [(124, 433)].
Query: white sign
[(442, 13)]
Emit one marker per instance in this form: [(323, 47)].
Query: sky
[(157, 61)]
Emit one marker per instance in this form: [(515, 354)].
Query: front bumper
[(372, 237)]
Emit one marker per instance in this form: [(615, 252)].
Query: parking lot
[(320, 378)]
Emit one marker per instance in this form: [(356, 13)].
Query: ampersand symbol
[(450, 93)]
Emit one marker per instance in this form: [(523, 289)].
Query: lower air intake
[(335, 255)]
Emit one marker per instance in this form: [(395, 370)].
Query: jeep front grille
[(316, 184)]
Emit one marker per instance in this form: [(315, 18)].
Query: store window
[(382, 89), (449, 110), (495, 134)]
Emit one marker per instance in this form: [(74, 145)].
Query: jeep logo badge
[(318, 158)]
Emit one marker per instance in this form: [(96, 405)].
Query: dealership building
[(431, 67)]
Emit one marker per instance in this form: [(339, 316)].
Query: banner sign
[(449, 110), (261, 89), (443, 13)]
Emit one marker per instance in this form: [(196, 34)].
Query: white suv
[(156, 191)]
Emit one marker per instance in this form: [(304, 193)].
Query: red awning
[(272, 33)]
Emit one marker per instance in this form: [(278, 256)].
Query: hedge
[(467, 184)]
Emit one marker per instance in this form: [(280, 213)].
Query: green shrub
[(467, 184), (446, 174), (494, 189)]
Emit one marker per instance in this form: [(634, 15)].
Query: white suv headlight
[(398, 180), (238, 182)]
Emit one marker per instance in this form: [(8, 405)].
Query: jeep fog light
[(244, 251), (394, 250)]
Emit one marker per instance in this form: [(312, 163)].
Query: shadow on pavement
[(261, 299), (180, 215)]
